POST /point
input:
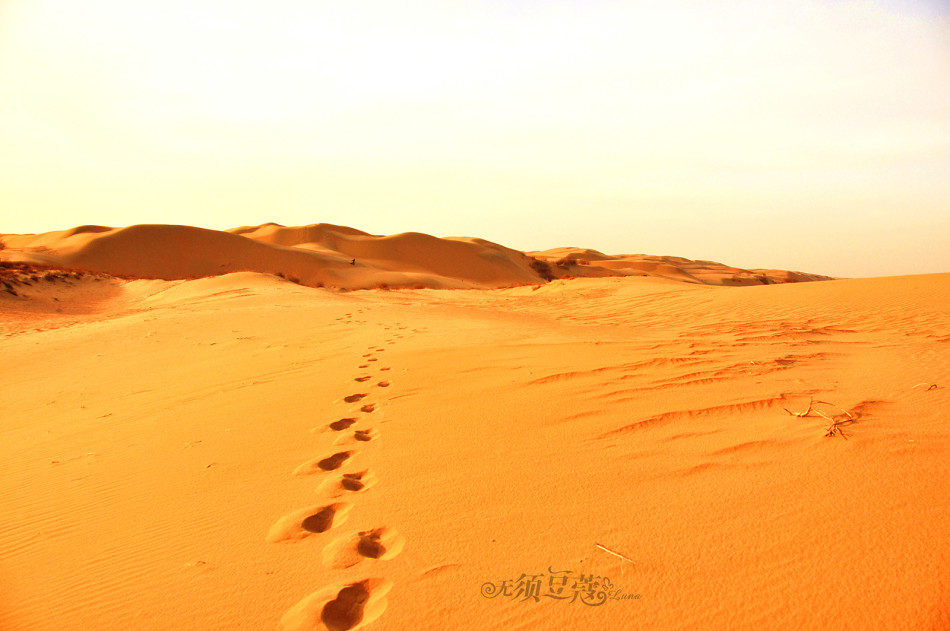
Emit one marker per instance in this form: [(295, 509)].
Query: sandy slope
[(241, 452), (326, 255)]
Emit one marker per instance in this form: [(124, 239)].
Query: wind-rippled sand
[(243, 452)]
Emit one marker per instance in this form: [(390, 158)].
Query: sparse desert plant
[(541, 268), (837, 421)]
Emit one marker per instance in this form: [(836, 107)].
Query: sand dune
[(317, 255), (239, 452), (591, 263), (325, 255)]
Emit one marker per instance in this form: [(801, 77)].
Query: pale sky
[(805, 135)]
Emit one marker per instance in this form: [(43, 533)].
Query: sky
[(806, 135)]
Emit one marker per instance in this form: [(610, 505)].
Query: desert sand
[(300, 428)]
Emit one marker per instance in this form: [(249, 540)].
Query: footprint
[(362, 379), (383, 384), (379, 544), (339, 609), (321, 521), (369, 407), (317, 465), (343, 423), (367, 355), (365, 435), (360, 435), (358, 481), (348, 483), (363, 366), (307, 521), (384, 368), (353, 398), (372, 359)]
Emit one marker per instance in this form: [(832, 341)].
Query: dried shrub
[(542, 269)]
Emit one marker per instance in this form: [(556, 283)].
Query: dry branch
[(835, 429), (616, 554)]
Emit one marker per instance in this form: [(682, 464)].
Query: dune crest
[(327, 255)]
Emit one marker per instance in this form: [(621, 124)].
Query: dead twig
[(930, 386), (616, 554), (835, 429), (801, 414)]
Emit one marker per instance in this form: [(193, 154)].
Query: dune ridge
[(327, 255)]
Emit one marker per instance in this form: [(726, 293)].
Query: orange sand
[(243, 452)]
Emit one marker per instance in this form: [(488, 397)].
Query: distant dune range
[(326, 255)]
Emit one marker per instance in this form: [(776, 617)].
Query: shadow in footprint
[(354, 481), (302, 523), (343, 423), (370, 545), (321, 521), (348, 483), (346, 610), (317, 465), (354, 606), (365, 435), (369, 407), (362, 379), (380, 544), (383, 384), (353, 398), (335, 461)]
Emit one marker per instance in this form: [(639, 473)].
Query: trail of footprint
[(354, 605), (378, 544), (329, 463), (307, 521), (339, 609)]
